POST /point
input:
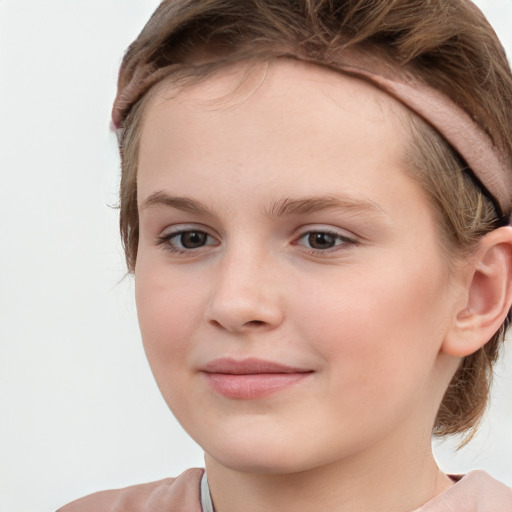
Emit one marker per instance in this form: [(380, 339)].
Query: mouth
[(251, 379)]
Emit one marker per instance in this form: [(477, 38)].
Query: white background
[(79, 410)]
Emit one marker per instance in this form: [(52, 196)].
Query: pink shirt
[(475, 492)]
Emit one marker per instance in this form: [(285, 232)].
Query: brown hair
[(447, 44)]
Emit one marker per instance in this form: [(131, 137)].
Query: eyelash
[(166, 240), (341, 242)]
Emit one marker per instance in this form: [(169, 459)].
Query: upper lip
[(250, 366)]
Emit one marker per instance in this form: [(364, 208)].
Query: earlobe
[(488, 295)]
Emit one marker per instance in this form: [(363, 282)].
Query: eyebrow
[(179, 203), (312, 204), (283, 207)]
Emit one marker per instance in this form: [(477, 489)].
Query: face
[(291, 291)]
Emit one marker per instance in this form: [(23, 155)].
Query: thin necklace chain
[(206, 499)]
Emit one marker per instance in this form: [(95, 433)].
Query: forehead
[(282, 114), (281, 86)]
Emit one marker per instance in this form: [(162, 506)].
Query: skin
[(367, 318)]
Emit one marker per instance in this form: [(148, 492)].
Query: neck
[(400, 482)]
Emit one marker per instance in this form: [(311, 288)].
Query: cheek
[(378, 331), (169, 312)]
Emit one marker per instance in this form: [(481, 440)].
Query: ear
[(487, 295)]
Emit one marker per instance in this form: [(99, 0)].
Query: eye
[(190, 239), (186, 240), (323, 240)]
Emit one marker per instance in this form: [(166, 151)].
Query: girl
[(315, 203)]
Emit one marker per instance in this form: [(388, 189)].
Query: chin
[(259, 463), (263, 456)]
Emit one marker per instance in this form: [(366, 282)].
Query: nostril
[(251, 323), (254, 323)]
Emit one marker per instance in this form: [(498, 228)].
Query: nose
[(245, 296)]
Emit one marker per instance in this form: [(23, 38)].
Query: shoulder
[(181, 493), (475, 492)]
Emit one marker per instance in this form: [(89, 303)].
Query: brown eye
[(192, 239), (186, 240), (321, 240), (325, 241)]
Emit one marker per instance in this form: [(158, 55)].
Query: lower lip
[(252, 386)]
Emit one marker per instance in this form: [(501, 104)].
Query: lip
[(252, 378)]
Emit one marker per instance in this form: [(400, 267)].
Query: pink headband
[(490, 166)]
